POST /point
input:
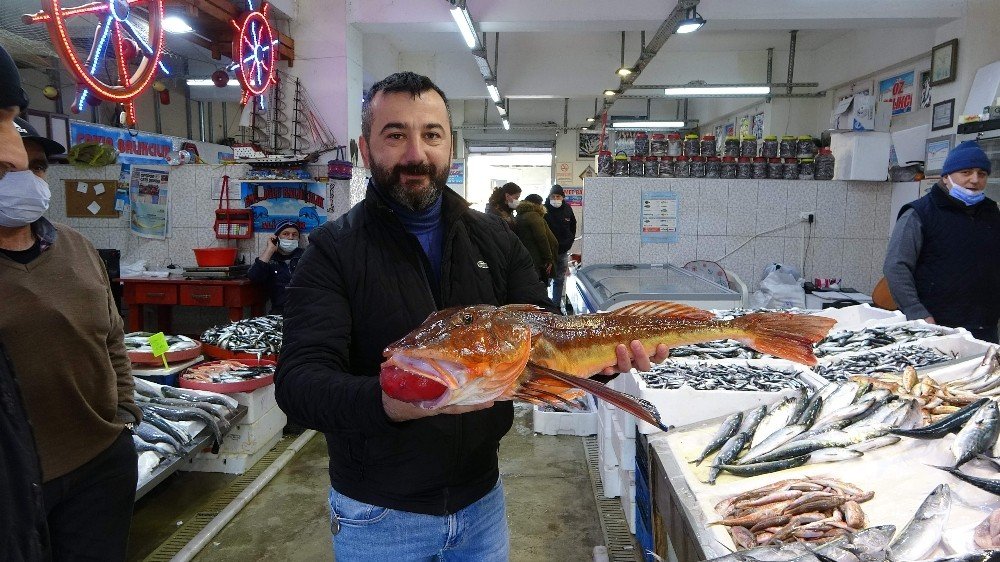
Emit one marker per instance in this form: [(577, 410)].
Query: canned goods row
[(727, 167)]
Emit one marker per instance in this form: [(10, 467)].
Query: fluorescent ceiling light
[(648, 124), (208, 82), (692, 22), (609, 93), (494, 92), (693, 91), (464, 22), (484, 66), (174, 24), (501, 110), (506, 124)]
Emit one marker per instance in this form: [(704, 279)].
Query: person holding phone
[(277, 261)]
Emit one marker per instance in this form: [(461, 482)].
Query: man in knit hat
[(941, 264), (562, 222), (278, 259)]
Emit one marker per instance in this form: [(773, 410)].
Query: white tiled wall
[(719, 217)]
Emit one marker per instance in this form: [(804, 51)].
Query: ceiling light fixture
[(623, 70), (707, 90), (174, 24), (210, 82), (647, 124), (610, 93), (692, 22), (590, 120), (464, 22), (506, 124), (501, 110), (494, 92)]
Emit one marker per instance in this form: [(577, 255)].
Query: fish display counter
[(605, 287)]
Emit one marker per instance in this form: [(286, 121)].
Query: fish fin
[(784, 335), (663, 309), (638, 407), (522, 308)]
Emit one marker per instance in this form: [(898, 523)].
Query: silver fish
[(841, 397), (833, 454), (876, 443), (752, 419), (729, 451), (728, 428), (978, 435), (776, 419), (919, 537), (775, 440)]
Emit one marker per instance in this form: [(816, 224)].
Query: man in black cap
[(562, 222), (39, 148)]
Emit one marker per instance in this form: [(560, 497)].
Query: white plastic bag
[(779, 289)]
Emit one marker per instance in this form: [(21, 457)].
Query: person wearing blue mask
[(277, 261), (942, 261)]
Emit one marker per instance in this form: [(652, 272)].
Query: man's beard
[(411, 197)]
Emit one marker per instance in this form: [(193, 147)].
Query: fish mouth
[(441, 371)]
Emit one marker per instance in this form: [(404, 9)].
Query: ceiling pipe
[(791, 60)]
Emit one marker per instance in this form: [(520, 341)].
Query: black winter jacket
[(274, 276), (361, 285), (23, 530), (562, 222)]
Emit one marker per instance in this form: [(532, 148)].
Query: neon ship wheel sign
[(254, 55)]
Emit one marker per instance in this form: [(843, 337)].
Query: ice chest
[(259, 401), (250, 437), (566, 423)]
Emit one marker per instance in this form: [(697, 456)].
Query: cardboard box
[(250, 437), (566, 423), (861, 112), (229, 463), (861, 155), (259, 401)]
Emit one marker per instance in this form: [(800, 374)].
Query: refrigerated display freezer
[(605, 287)]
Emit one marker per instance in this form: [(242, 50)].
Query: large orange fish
[(475, 354)]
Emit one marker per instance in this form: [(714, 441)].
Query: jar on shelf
[(806, 147), (682, 167), (658, 146), (824, 165), (769, 148), (787, 148), (667, 164), (605, 163), (806, 169), (674, 144), (759, 168), (791, 168), (637, 166), (698, 166), (652, 167), (744, 168), (727, 170), (713, 167), (692, 146), (708, 148), (621, 164), (748, 147), (775, 169), (641, 143), (731, 147)]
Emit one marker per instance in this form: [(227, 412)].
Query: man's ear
[(363, 149)]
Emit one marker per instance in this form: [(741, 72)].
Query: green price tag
[(158, 343)]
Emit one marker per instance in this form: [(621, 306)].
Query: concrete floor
[(550, 505)]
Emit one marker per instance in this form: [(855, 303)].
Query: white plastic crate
[(859, 316), (248, 438), (960, 344), (566, 423), (229, 463)]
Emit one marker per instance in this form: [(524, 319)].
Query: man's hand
[(398, 410), (930, 320), (635, 356)]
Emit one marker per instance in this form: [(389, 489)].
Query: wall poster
[(276, 202), (659, 217), (149, 200), (899, 91)]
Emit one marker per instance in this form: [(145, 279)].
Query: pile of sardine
[(889, 361), (226, 371), (871, 338), (713, 376), (574, 405), (163, 407), (252, 335), (722, 349), (812, 509), (870, 545), (139, 341)]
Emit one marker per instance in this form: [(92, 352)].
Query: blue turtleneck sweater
[(428, 227)]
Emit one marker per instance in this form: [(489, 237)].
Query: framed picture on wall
[(936, 150), (925, 88), (589, 144), (944, 60), (943, 115)]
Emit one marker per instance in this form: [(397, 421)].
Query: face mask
[(287, 246), (556, 203), (24, 197), (966, 196), (514, 204)]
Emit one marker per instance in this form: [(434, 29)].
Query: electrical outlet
[(808, 216)]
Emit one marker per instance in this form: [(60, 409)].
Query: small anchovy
[(890, 361), (252, 335), (708, 376), (871, 338)]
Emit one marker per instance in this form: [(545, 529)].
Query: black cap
[(28, 132), (534, 198), (287, 224), (557, 190), (11, 93)]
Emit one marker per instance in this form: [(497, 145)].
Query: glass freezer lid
[(608, 281)]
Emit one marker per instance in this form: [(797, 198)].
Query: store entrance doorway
[(485, 172)]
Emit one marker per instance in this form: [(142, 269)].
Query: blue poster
[(456, 175), (132, 147), (659, 217), (274, 202), (898, 90)]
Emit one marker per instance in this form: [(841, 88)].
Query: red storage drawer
[(201, 295), (155, 293)]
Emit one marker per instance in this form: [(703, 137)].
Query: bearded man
[(406, 483)]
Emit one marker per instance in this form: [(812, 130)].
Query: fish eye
[(467, 318)]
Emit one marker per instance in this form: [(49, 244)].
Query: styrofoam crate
[(608, 458), (250, 437), (258, 402), (229, 463), (566, 423), (611, 481), (962, 345), (627, 483), (859, 316), (621, 442), (684, 406), (893, 323)]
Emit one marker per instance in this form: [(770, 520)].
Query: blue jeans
[(561, 269), (368, 532)]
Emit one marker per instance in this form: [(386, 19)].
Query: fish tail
[(784, 335), (638, 407)]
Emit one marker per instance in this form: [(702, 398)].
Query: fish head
[(466, 355)]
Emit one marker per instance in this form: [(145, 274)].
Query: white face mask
[(287, 246), (513, 204), (556, 203), (24, 197)]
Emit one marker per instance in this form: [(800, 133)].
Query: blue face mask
[(966, 196)]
